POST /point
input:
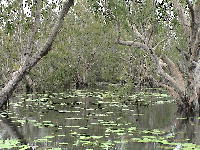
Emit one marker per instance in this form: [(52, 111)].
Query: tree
[(86, 55), (169, 32), (31, 61)]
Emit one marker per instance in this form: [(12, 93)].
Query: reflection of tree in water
[(186, 128), (9, 130)]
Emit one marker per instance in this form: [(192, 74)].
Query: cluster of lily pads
[(104, 112), (12, 143), (141, 97)]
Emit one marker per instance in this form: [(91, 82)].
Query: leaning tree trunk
[(184, 85), (17, 76)]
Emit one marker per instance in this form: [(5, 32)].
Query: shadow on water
[(67, 122), (186, 126), (10, 130)]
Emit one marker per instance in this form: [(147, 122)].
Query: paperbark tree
[(182, 80), (184, 85), (31, 61)]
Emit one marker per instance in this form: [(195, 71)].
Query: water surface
[(86, 120)]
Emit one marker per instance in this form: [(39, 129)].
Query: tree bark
[(181, 84), (17, 76)]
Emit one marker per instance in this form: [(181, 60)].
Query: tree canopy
[(138, 43)]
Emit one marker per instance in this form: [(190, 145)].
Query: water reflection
[(186, 128), (90, 123), (10, 130)]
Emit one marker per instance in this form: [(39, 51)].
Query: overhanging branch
[(171, 81), (145, 45), (7, 91), (133, 43), (175, 72)]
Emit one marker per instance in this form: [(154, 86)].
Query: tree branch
[(182, 16), (191, 10), (197, 13), (7, 91), (158, 44), (138, 34), (47, 46), (183, 53), (133, 43), (195, 35), (171, 81), (149, 48), (167, 77), (171, 90), (175, 72)]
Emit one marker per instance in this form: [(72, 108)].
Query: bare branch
[(148, 47), (197, 13), (29, 50), (175, 72), (47, 46), (182, 16), (6, 92), (118, 30), (171, 81), (191, 9), (158, 44), (133, 43), (195, 47), (170, 90), (178, 88), (138, 34)]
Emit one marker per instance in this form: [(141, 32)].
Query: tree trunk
[(17, 76), (183, 85)]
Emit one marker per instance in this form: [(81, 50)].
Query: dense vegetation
[(85, 52), (99, 74), (136, 43)]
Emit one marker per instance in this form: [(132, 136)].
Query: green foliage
[(85, 50)]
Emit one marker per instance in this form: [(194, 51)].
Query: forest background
[(135, 44)]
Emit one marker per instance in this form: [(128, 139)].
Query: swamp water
[(82, 120)]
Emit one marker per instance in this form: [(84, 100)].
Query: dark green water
[(90, 122)]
